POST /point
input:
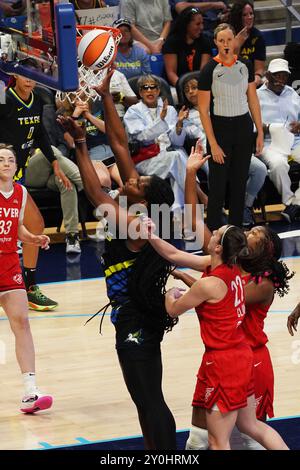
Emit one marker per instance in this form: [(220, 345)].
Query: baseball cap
[(122, 22), (279, 65)]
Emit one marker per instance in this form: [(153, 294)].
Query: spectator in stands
[(211, 12), (123, 94), (151, 22), (40, 174), (194, 130), (159, 131), (91, 114), (88, 4), (280, 108), (21, 126), (250, 43), (131, 59), (185, 49)]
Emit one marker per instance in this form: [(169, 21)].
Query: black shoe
[(291, 213)]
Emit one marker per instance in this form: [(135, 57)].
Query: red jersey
[(253, 324), (220, 321), (10, 210)]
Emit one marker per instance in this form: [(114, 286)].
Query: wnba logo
[(2, 352)]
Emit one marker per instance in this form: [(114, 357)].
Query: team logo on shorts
[(135, 337), (208, 392), (18, 278)]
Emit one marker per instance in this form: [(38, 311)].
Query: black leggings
[(142, 371), (235, 137)]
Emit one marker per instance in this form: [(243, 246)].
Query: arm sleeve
[(42, 141)]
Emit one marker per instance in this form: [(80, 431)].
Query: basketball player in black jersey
[(21, 126), (135, 278)]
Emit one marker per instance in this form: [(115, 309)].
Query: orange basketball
[(97, 49)]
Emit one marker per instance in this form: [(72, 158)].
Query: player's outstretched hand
[(196, 159), (103, 88), (70, 125), (147, 227)]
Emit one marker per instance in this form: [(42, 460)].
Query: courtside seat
[(181, 81)]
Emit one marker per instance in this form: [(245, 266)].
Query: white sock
[(198, 439), (29, 382), (251, 444)]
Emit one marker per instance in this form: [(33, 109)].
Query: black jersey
[(132, 328), (21, 126)]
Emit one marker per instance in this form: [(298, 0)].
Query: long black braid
[(150, 272), (263, 261)]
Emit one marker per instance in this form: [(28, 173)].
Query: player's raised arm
[(115, 132)]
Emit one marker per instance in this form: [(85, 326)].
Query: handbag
[(141, 153)]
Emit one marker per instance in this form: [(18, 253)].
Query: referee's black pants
[(235, 137)]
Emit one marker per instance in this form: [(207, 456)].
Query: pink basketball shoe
[(36, 402)]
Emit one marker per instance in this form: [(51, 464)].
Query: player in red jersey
[(225, 378), (13, 298)]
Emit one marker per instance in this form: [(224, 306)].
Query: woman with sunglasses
[(226, 97), (158, 128), (185, 49)]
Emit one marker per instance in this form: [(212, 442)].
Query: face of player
[(248, 17), (225, 43), (216, 239), (8, 165), (191, 91), (195, 27), (24, 86), (134, 189), (277, 81), (255, 236), (149, 92)]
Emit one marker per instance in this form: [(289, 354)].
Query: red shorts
[(10, 272), (263, 383), (225, 379)]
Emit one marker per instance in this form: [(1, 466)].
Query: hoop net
[(88, 78)]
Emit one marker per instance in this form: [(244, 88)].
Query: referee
[(226, 93)]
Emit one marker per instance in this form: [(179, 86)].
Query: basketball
[(97, 49)]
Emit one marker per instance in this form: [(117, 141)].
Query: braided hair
[(150, 272), (263, 261)]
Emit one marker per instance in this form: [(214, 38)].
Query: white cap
[(279, 65)]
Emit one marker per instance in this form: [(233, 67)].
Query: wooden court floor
[(80, 369)]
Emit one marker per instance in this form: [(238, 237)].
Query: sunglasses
[(149, 87)]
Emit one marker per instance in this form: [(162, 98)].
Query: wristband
[(80, 141), (75, 118), (161, 39)]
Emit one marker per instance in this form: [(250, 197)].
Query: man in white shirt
[(280, 108)]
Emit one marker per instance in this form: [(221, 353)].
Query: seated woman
[(194, 130), (131, 59), (159, 131), (250, 43), (100, 152), (185, 49)]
